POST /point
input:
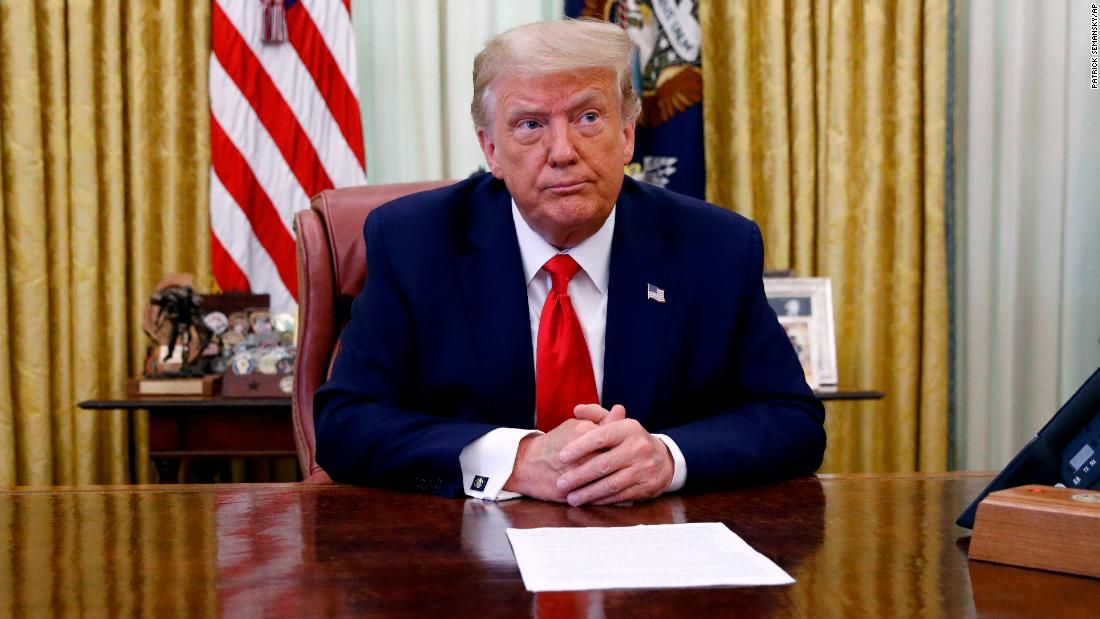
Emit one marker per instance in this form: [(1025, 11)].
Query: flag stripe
[(335, 28), (283, 65), (233, 230), (232, 277), (239, 121), (284, 125), (275, 114), (237, 178), (319, 61)]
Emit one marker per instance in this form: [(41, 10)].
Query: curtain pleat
[(1027, 217), (103, 124), (826, 124)]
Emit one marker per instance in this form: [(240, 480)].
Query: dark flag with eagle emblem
[(668, 75)]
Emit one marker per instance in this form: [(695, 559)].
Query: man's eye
[(529, 125), (590, 117)]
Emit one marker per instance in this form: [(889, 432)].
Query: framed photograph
[(804, 306)]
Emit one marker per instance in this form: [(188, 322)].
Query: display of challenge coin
[(232, 339), (261, 321), (283, 322), (286, 384), (269, 362), (285, 365), (242, 363), (238, 322), (216, 322), (268, 339)]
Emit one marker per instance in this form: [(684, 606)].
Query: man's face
[(559, 142)]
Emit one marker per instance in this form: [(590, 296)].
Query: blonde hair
[(553, 47)]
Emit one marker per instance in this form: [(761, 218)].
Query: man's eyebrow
[(518, 112), (584, 99)]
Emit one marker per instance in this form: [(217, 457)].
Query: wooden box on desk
[(257, 385), (1042, 527), (199, 386)]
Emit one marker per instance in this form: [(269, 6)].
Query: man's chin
[(578, 205), (569, 232)]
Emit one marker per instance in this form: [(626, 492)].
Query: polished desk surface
[(857, 546)]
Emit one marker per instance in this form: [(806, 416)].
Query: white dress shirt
[(489, 460)]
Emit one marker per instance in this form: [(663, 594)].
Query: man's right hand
[(538, 467)]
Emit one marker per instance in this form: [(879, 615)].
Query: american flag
[(654, 293), (284, 125)]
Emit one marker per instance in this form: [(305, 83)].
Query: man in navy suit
[(558, 331)]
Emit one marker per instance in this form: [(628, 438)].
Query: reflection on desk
[(857, 545)]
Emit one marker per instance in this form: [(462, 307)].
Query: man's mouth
[(566, 187)]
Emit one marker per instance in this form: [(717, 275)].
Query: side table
[(837, 393), (209, 428)]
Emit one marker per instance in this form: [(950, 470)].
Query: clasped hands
[(600, 457)]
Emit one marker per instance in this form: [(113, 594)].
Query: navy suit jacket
[(438, 350)]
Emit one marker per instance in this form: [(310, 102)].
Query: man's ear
[(628, 141), (490, 150)]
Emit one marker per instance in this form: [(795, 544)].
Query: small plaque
[(208, 385), (1039, 527)]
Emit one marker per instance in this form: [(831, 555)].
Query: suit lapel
[(493, 287), (635, 324)]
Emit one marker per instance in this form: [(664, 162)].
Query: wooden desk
[(207, 428), (857, 546)]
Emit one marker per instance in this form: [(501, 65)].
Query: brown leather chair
[(332, 267)]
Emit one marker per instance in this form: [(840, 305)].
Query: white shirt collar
[(593, 254)]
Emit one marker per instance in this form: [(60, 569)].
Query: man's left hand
[(625, 463)]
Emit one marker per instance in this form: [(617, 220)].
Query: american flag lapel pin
[(654, 293)]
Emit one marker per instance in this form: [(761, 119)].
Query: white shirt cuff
[(679, 465), (487, 463)]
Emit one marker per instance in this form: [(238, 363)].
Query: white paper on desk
[(697, 554)]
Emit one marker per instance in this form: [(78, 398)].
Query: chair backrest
[(332, 267)]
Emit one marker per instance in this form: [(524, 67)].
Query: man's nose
[(560, 147)]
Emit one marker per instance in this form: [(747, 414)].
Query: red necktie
[(563, 370)]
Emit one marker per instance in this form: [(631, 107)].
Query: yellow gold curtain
[(105, 160), (825, 122)]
